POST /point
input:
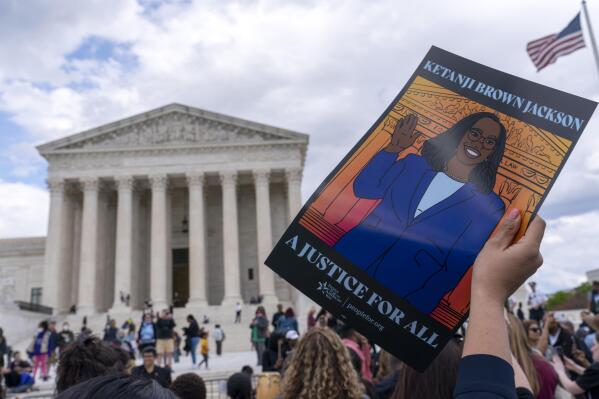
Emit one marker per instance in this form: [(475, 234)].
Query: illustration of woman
[(436, 210)]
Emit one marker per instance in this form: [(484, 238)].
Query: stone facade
[(177, 205)]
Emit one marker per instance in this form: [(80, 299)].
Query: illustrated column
[(197, 243), (294, 191), (264, 233), (53, 257), (159, 243), (230, 238), (124, 244), (89, 248)]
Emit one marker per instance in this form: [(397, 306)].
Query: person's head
[(16, 356), (112, 323), (204, 334), (260, 311), (65, 326), (149, 357), (189, 386), (595, 285), (280, 308), (347, 332), (217, 326), (292, 338), (190, 318), (43, 325), (147, 318), (522, 351), (533, 332), (519, 305), (312, 310), (322, 359), (437, 381), (533, 286), (118, 387), (477, 141), (239, 385), (52, 325), (289, 313), (165, 314), (568, 326), (87, 359), (552, 324)]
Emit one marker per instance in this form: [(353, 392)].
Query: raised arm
[(376, 177), (500, 268)]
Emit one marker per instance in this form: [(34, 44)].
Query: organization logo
[(330, 292)]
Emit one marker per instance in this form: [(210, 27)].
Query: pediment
[(173, 126)]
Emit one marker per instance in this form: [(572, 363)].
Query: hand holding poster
[(388, 240)]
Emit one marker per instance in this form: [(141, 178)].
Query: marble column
[(52, 262), (89, 248), (230, 238), (264, 232), (294, 198), (124, 243), (294, 191), (197, 242), (159, 243)]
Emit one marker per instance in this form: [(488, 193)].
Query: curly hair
[(320, 367), (189, 385)]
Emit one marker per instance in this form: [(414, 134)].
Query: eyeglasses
[(488, 142)]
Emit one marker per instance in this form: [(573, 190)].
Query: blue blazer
[(419, 258)]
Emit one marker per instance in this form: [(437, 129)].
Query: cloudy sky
[(323, 67)]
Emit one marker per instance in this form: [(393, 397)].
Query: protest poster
[(387, 241)]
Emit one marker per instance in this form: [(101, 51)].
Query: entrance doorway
[(180, 277)]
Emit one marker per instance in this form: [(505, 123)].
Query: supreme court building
[(177, 205)]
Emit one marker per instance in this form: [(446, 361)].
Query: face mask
[(65, 328)]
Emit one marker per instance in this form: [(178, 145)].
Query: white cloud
[(569, 250), (23, 210)]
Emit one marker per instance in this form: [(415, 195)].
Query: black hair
[(345, 331), (247, 369), (81, 361), (118, 387), (239, 385), (149, 349), (43, 325), (189, 386), (190, 317), (438, 150)]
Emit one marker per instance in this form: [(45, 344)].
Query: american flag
[(548, 49)]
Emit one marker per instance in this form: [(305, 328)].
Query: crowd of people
[(504, 354)]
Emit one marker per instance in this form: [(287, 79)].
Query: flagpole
[(591, 34)]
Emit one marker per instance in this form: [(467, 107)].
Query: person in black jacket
[(165, 338), (192, 337), (150, 370)]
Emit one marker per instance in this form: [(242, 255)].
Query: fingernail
[(514, 213)]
